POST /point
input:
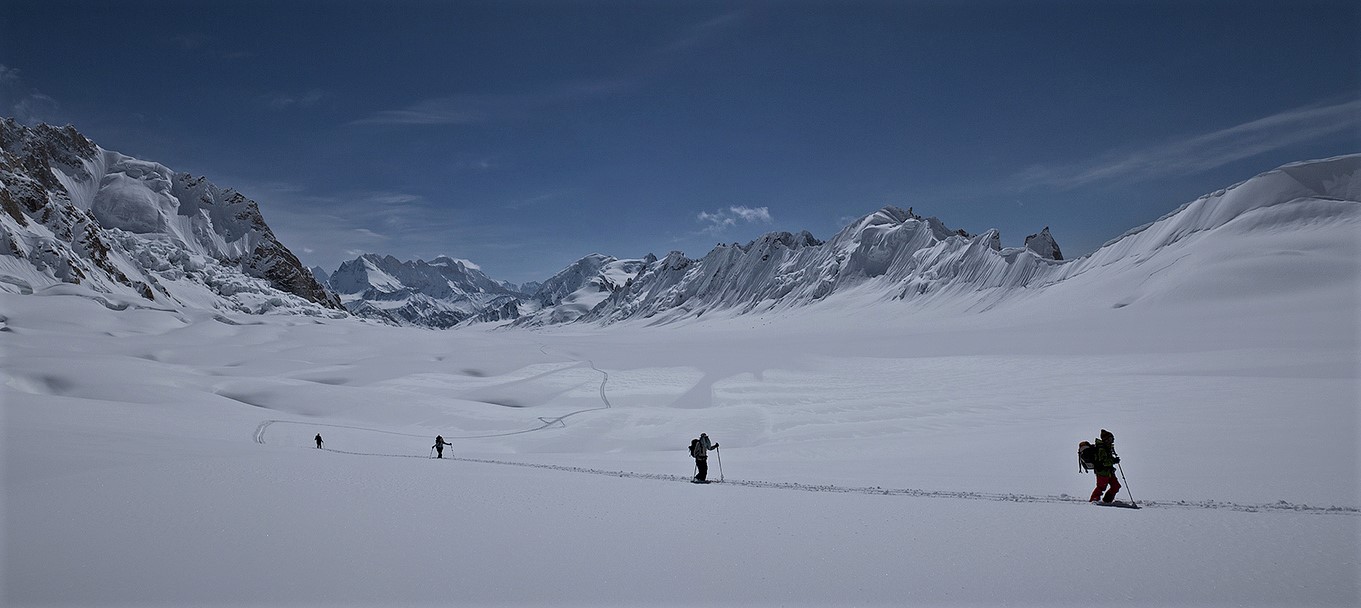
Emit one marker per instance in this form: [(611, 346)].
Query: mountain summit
[(440, 293), (75, 213)]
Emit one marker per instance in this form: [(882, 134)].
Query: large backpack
[(1086, 457)]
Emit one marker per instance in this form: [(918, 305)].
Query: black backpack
[(1086, 457)]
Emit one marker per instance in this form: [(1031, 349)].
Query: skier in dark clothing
[(318, 441), (699, 449), (1106, 459), (439, 446)]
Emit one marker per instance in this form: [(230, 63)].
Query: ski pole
[(719, 453), (1122, 478), (432, 451)]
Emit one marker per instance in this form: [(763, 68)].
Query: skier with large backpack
[(699, 450), (439, 446), (1101, 458)]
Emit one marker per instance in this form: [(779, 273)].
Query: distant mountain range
[(778, 269), (76, 214)]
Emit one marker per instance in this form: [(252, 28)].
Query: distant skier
[(439, 446), (1105, 460), (318, 441), (699, 449)]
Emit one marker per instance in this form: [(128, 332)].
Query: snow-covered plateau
[(908, 445)]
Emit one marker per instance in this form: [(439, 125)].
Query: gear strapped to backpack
[(1086, 456)]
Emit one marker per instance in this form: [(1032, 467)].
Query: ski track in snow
[(1276, 507)]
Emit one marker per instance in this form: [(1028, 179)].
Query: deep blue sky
[(524, 135)]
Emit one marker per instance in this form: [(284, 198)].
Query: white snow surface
[(874, 451)]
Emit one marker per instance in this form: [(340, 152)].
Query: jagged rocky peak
[(462, 265), (570, 279), (787, 240), (85, 215), (582, 287), (38, 150), (1044, 245), (440, 293), (321, 275)]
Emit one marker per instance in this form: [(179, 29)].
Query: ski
[(1119, 503)]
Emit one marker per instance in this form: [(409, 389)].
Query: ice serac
[(79, 214), (441, 293)]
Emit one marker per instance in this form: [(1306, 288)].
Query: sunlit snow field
[(872, 454)]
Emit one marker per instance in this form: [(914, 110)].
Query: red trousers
[(1101, 482)]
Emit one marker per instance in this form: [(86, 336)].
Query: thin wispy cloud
[(287, 101), (27, 105), (471, 109), (701, 33), (475, 164), (8, 75), (719, 221), (536, 200), (452, 110), (1205, 151), (191, 41)]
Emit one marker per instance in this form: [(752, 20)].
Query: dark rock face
[(1044, 245)]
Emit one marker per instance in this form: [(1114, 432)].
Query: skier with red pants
[(1106, 459)]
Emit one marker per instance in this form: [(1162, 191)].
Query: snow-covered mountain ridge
[(895, 255), (79, 214), (440, 293), (444, 292)]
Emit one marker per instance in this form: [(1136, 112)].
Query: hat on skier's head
[(1107, 435), (703, 434)]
